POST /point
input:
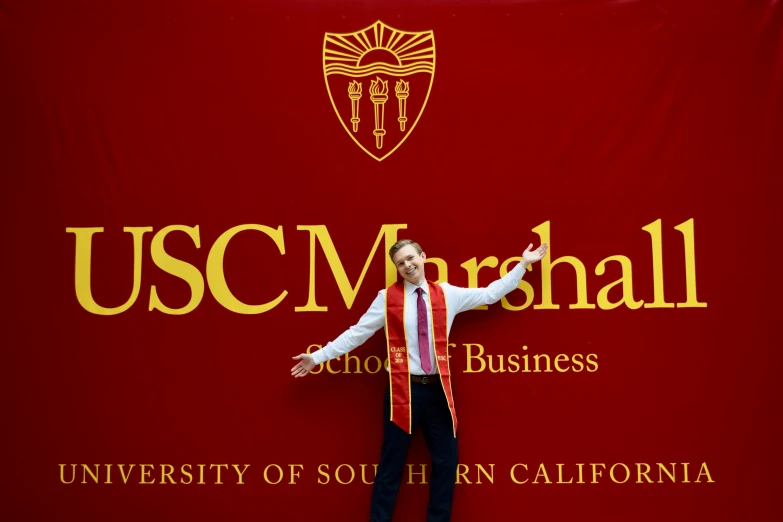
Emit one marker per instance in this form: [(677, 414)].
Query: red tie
[(424, 338)]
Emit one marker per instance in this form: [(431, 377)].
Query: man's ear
[(423, 255)]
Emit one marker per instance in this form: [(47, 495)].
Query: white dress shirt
[(458, 300)]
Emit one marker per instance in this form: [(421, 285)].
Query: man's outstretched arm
[(469, 298), (370, 322)]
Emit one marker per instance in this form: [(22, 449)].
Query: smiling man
[(417, 315)]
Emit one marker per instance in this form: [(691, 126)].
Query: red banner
[(195, 192)]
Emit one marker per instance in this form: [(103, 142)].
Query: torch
[(355, 93), (401, 89), (378, 94)]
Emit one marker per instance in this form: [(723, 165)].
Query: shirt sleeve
[(372, 321), (463, 299)]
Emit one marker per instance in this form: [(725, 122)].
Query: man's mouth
[(409, 272)]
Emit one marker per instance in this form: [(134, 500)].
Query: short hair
[(402, 243)]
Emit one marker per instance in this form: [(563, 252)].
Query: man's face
[(410, 264)]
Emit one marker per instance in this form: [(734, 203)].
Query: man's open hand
[(304, 365), (531, 256)]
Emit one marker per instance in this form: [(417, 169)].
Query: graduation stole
[(397, 350)]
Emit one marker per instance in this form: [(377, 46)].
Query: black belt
[(425, 379)]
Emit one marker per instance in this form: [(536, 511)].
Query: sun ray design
[(416, 40), (357, 37), (393, 40), (347, 46), (366, 39), (415, 52)]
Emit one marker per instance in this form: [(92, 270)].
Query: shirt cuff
[(319, 356)]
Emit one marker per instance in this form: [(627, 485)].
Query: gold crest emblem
[(365, 71)]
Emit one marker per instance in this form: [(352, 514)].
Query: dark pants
[(430, 411)]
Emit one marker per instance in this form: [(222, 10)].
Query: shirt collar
[(410, 288)]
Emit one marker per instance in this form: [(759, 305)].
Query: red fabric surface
[(585, 120)]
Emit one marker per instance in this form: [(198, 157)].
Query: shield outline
[(426, 98)]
